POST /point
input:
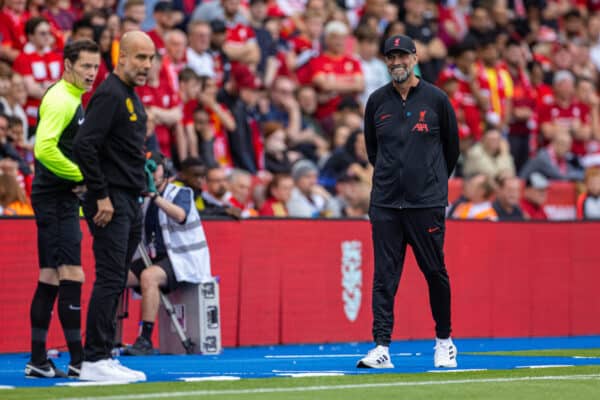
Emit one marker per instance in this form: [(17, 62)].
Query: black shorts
[(163, 262), (58, 229)]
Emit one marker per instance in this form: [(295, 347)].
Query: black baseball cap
[(399, 43)]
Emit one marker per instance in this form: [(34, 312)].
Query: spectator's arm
[(224, 116), (192, 139), (181, 141), (8, 53), (331, 83), (581, 131), (294, 118), (436, 48), (34, 89), (247, 53), (168, 116)]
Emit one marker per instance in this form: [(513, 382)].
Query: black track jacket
[(109, 147), (413, 145)]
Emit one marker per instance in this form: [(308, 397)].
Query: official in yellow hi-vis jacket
[(56, 186)]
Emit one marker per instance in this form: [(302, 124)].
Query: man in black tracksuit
[(109, 150), (412, 141)]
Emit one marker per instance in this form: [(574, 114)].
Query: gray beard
[(401, 78)]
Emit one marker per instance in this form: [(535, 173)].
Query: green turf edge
[(542, 353), (154, 387)]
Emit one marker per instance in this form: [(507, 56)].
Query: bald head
[(136, 51), (133, 39)]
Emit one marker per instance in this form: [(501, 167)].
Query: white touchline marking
[(545, 366), (287, 371), (310, 374), (336, 355), (6, 387), (438, 371), (210, 378), (196, 393), (587, 357), (105, 383)]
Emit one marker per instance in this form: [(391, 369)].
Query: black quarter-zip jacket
[(109, 147), (412, 144)]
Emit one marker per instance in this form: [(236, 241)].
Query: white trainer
[(104, 371), (141, 377), (379, 357), (445, 353)]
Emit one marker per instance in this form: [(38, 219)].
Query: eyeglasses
[(43, 33)]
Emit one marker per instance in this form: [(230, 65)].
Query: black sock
[(40, 315), (147, 330), (69, 312)]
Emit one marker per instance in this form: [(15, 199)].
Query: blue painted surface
[(271, 361)]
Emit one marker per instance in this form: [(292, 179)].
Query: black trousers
[(423, 229), (113, 247)]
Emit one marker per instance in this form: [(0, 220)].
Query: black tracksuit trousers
[(114, 246), (423, 229)]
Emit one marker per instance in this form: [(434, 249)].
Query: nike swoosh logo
[(47, 374), (80, 121), (431, 230), (74, 308)]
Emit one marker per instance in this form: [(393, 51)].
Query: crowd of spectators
[(259, 103)]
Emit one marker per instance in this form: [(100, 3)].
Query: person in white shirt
[(374, 70), (198, 57)]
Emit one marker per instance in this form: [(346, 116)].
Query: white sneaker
[(103, 371), (379, 357), (445, 353), (138, 374)]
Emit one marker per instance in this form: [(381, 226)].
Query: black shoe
[(141, 347), (74, 370), (45, 370)]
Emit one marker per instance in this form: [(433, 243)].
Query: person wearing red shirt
[(174, 59), (334, 74), (40, 66), (240, 40), (534, 197), (165, 105), (307, 44), (470, 100), (240, 192), (565, 114), (12, 32), (278, 191), (215, 122), (523, 124), (163, 16)]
